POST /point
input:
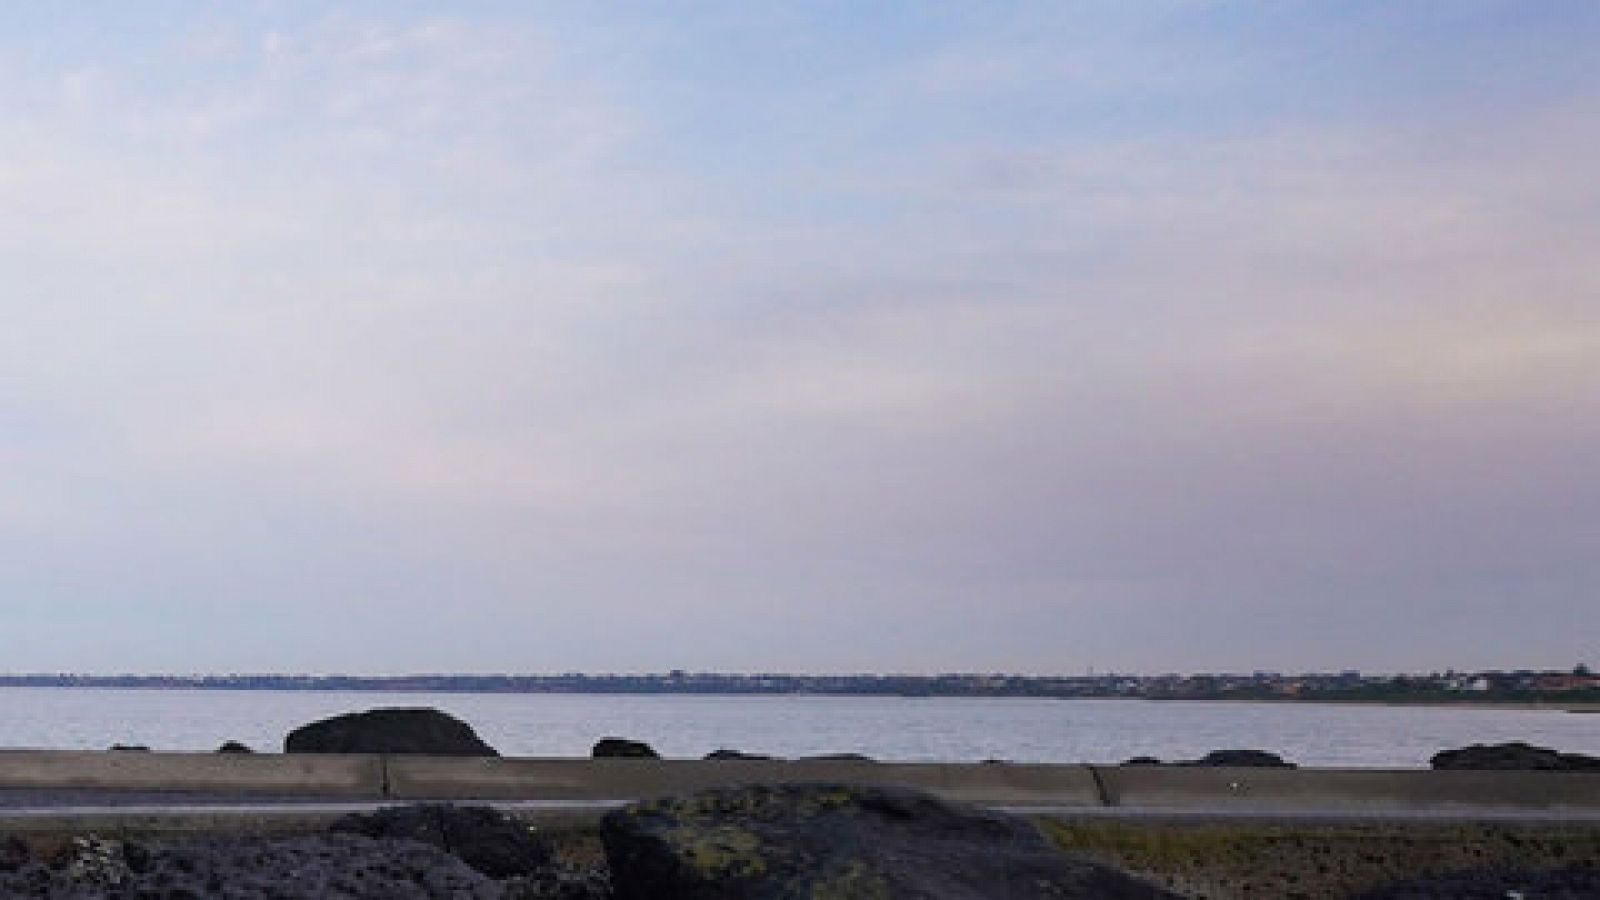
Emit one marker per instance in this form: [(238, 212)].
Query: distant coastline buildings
[(1578, 685)]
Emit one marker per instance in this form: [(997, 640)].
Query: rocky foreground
[(761, 842), (424, 852), (764, 841)]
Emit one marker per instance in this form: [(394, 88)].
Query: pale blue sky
[(386, 337)]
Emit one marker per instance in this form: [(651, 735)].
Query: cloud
[(374, 313)]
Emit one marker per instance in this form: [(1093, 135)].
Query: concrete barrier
[(1348, 790), (308, 774), (626, 779), (177, 821), (581, 782)]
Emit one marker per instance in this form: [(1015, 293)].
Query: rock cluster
[(1512, 757), (408, 853), (1247, 759), (333, 866)]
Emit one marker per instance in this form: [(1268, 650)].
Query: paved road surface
[(40, 807)]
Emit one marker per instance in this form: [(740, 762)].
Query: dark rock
[(483, 838), (766, 842), (1515, 756), (234, 747), (1560, 884), (422, 731), (312, 867), (1251, 759), (735, 754), (840, 757), (1248, 759), (129, 748), (622, 748), (13, 854)]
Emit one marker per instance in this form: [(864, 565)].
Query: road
[(84, 809)]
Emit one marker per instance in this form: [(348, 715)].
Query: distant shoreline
[(1431, 704), (737, 686)]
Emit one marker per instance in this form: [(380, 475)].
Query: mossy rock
[(834, 841)]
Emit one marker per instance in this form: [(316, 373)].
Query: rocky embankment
[(430, 852), (777, 842)]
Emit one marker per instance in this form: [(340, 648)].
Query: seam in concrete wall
[(383, 776), (1100, 790)]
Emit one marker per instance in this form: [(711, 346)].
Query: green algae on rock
[(828, 841)]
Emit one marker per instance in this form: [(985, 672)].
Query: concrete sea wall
[(1019, 786), (323, 776)]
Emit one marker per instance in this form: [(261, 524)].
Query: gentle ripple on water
[(889, 728)]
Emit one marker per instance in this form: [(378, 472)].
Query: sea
[(944, 729)]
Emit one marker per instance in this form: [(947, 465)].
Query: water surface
[(888, 728)]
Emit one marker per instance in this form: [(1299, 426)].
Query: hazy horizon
[(754, 673), (1021, 337)]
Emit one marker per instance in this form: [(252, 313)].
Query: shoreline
[(1523, 705), (1582, 706)]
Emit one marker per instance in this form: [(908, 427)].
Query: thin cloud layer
[(777, 339)]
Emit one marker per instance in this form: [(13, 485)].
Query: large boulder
[(622, 748), (483, 838), (775, 842), (422, 731), (1513, 757)]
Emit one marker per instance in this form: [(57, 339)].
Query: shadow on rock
[(483, 838)]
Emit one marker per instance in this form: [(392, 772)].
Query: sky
[(815, 337)]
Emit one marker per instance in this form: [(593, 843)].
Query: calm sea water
[(888, 728)]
